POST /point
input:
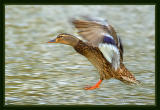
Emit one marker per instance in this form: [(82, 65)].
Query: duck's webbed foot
[(93, 87)]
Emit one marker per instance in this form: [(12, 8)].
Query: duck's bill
[(52, 41)]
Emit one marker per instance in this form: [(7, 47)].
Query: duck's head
[(65, 39)]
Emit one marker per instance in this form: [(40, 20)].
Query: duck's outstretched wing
[(102, 35)]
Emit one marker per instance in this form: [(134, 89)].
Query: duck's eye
[(60, 36)]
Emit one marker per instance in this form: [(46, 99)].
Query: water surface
[(38, 73)]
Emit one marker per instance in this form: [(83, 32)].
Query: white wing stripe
[(111, 53), (107, 35)]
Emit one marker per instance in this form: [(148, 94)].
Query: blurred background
[(38, 73)]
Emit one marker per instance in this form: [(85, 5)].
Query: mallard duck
[(102, 47)]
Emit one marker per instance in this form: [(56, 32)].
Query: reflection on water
[(41, 73)]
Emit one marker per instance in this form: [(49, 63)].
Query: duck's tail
[(125, 76), (130, 80)]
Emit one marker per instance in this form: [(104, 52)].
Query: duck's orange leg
[(95, 86)]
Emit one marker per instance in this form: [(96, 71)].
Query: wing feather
[(95, 31)]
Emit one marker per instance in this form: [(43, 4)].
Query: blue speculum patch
[(109, 40)]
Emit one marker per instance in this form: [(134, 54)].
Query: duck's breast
[(95, 56)]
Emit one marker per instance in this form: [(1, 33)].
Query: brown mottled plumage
[(95, 56), (94, 32)]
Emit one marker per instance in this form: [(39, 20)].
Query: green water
[(38, 73)]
